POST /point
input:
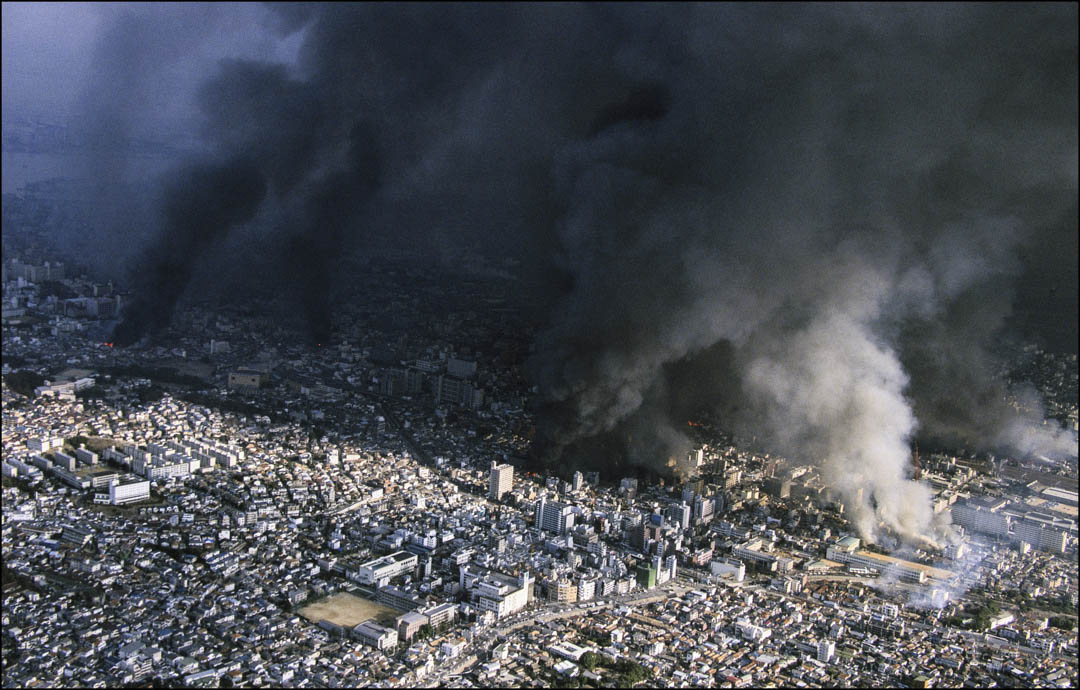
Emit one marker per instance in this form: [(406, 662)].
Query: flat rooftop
[(96, 471), (931, 571), (1060, 495), (390, 559), (69, 375)]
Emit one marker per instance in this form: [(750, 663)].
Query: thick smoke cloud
[(135, 111), (198, 208), (806, 219)]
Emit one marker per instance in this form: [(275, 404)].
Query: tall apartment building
[(553, 516), (450, 389), (704, 506), (501, 480), (825, 650), (1042, 536), (680, 514), (129, 492), (562, 591), (981, 516)]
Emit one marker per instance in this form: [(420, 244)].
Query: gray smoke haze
[(808, 219)]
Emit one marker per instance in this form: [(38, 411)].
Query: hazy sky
[(46, 49), (53, 51)]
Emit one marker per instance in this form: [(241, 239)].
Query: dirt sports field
[(347, 610)]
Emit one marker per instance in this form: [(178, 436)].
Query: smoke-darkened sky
[(813, 220), (51, 50)]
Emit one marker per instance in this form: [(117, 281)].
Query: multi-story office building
[(646, 576)]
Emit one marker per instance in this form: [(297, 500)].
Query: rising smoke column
[(200, 206), (799, 198), (141, 76), (840, 196), (330, 212)]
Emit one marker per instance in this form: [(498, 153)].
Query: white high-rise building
[(1041, 535), (553, 516), (981, 516), (579, 480), (825, 650), (696, 458), (501, 481), (680, 515), (671, 566), (703, 508)]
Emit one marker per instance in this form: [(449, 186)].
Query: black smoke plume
[(808, 219), (200, 205)]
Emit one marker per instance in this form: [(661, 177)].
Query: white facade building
[(128, 493), (825, 650), (501, 481), (503, 595), (1042, 536), (553, 516), (377, 636), (382, 570)]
